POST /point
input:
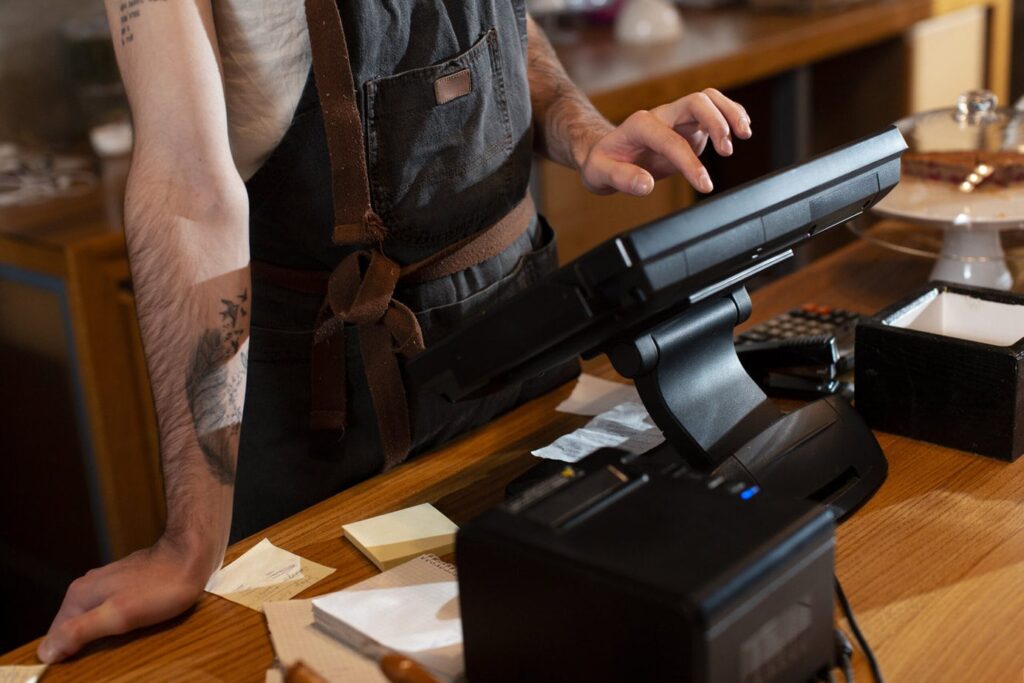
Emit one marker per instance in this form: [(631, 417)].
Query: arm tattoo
[(130, 11), (567, 123), (214, 383)]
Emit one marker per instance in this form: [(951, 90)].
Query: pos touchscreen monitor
[(662, 300)]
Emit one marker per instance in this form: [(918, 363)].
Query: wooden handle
[(401, 669), (300, 673)]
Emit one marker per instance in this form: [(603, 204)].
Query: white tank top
[(264, 47)]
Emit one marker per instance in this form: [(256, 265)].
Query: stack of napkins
[(397, 537), (296, 639), (412, 609)]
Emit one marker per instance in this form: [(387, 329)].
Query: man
[(419, 129)]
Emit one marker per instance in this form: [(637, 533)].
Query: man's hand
[(144, 588), (651, 145)]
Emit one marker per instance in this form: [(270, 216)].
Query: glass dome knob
[(975, 106)]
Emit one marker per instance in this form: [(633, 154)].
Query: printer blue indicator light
[(750, 493)]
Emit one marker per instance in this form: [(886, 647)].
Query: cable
[(861, 640), (848, 670), (844, 654)]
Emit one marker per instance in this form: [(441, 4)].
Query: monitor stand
[(719, 421)]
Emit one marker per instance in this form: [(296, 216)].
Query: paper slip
[(22, 674), (295, 638), (397, 537), (264, 573), (412, 609), (626, 426), (593, 396)]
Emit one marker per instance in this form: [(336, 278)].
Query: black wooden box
[(945, 365)]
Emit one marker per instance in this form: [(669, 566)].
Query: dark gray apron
[(439, 172)]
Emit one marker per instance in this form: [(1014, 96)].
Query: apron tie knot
[(359, 297), (360, 293)]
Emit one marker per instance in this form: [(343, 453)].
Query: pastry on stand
[(963, 175)]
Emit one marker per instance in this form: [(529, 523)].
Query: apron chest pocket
[(439, 146)]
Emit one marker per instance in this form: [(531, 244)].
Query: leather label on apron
[(453, 86)]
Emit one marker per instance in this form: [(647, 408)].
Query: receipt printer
[(631, 568)]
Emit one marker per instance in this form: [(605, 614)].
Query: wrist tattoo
[(130, 10), (215, 387)]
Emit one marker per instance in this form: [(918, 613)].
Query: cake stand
[(973, 213)]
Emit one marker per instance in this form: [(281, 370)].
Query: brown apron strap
[(328, 402), (303, 281), (464, 254), (387, 391), (474, 249), (355, 221), (361, 289)]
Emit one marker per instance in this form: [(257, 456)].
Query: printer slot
[(835, 488), (582, 497)]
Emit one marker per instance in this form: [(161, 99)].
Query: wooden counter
[(934, 564)]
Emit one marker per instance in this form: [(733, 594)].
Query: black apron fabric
[(438, 173)]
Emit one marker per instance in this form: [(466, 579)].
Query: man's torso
[(265, 53)]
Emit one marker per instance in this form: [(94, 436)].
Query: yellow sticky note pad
[(397, 537)]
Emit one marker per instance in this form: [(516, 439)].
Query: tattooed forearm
[(130, 11), (186, 227), (566, 121), (215, 386)]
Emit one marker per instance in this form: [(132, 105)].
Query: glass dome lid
[(976, 122), (964, 166)]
